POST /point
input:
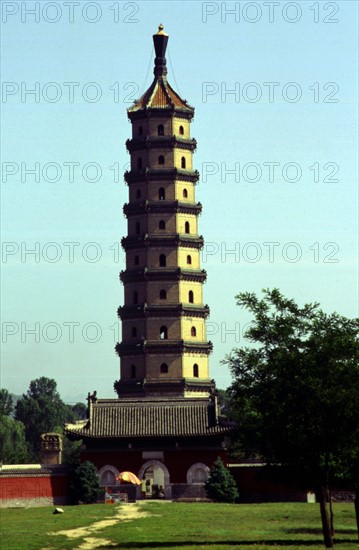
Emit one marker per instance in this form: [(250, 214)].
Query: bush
[(85, 484), (221, 485)]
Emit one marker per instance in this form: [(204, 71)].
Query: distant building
[(165, 425)]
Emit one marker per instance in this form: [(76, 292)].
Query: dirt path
[(126, 512)]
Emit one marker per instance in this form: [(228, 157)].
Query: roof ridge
[(154, 90), (166, 92)]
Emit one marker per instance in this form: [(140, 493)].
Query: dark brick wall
[(262, 484), (184, 491)]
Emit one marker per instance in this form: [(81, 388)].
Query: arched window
[(195, 371), (161, 194), (162, 225), (161, 159), (138, 193), (181, 130), (163, 333), (134, 332), (137, 228), (140, 130), (135, 297), (183, 162), (162, 260), (163, 295), (160, 130), (136, 260), (164, 368), (133, 371), (198, 473), (189, 260), (108, 478), (185, 193), (139, 163), (186, 227), (193, 331), (190, 296)]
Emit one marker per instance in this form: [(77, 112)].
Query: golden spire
[(160, 30)]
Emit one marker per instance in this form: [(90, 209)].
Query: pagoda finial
[(160, 30), (160, 40)]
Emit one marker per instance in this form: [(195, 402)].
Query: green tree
[(85, 484), (347, 472), (41, 410), (296, 390), (355, 476), (223, 402), (13, 447), (6, 402), (71, 451), (80, 411), (221, 485)]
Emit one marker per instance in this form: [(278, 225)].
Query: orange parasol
[(130, 477)]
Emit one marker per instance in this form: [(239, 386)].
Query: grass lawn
[(185, 526)]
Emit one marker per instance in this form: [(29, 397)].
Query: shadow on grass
[(235, 543), (310, 531)]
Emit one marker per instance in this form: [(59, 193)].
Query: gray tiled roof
[(131, 419)]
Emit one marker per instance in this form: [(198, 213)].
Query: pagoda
[(164, 425), (164, 350)]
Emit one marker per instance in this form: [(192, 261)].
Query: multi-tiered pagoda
[(164, 348), (164, 426)]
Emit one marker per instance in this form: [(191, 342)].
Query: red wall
[(34, 487), (177, 461)]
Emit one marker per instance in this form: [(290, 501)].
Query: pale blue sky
[(207, 54)]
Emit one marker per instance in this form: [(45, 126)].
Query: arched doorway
[(156, 480)]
